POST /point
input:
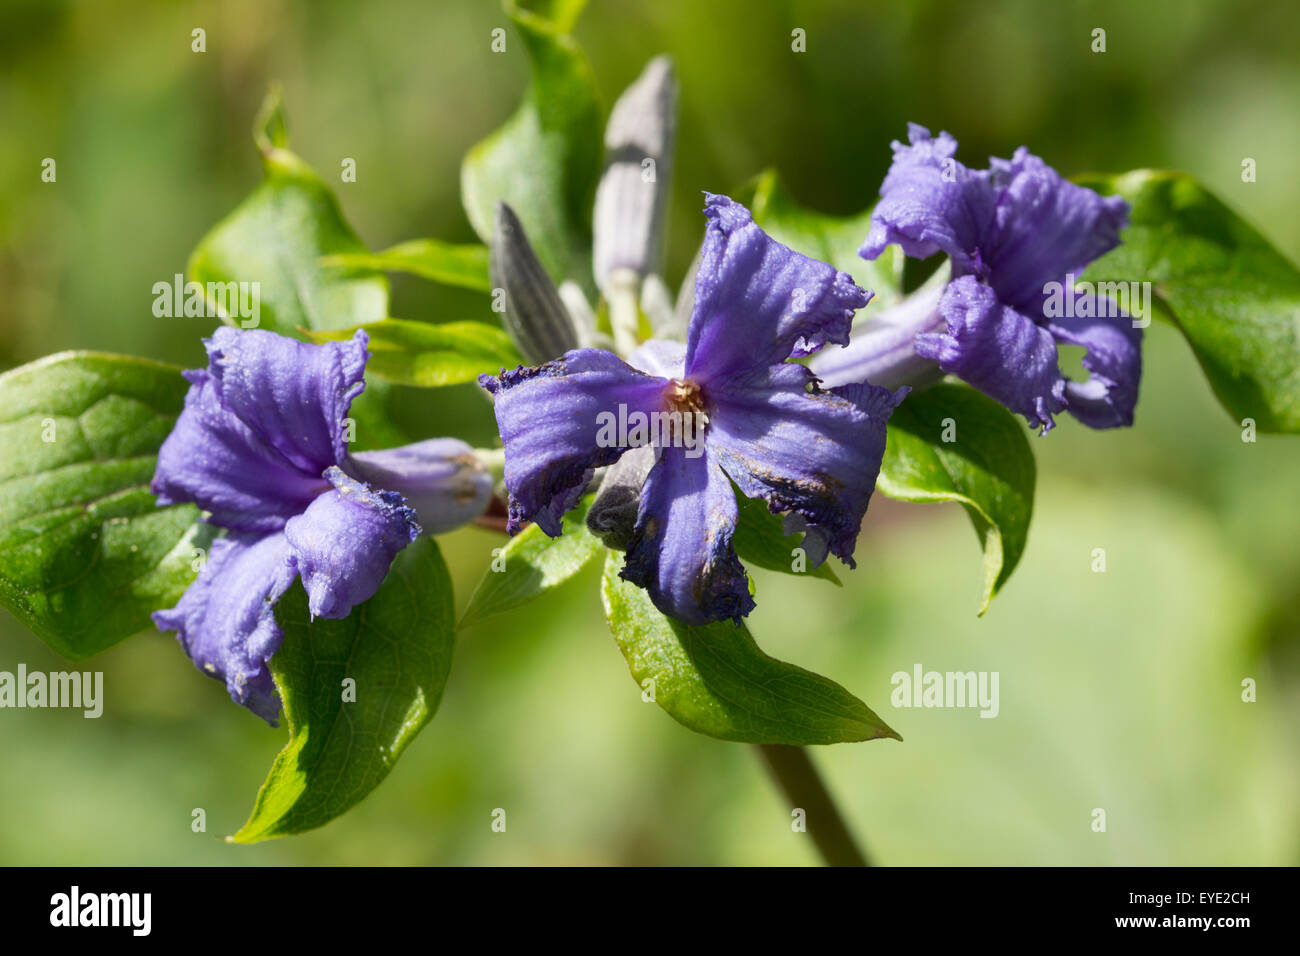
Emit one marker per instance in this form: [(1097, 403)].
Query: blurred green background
[(1119, 690)]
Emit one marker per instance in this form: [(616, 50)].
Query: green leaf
[(465, 266), (420, 353), (397, 647), (832, 239), (85, 552), (559, 15), (533, 563), (715, 681), (545, 160), (1235, 298), (986, 465), (276, 238), (760, 540)]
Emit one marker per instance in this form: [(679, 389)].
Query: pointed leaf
[(1235, 298), (397, 650), (715, 681), (465, 266), (531, 564), (85, 552), (276, 238), (421, 353), (987, 467), (545, 160)]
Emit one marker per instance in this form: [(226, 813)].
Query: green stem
[(794, 772)]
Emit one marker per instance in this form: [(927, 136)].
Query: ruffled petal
[(758, 302), (999, 351), (442, 479), (1047, 227), (294, 396), (260, 426), (211, 458), (931, 203), (226, 620), (1113, 360), (681, 549), (345, 541), (555, 435), (813, 454)]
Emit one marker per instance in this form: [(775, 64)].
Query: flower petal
[(1113, 359), (883, 350), (812, 454), (929, 203), (345, 541), (294, 396), (660, 357), (999, 351), (216, 461), (681, 549), (758, 302), (442, 479), (1046, 227), (226, 619), (549, 417)]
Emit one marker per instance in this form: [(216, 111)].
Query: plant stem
[(793, 770)]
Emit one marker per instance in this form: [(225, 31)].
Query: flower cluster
[(731, 410)]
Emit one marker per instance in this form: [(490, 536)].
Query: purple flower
[(1016, 235), (726, 408), (261, 446)]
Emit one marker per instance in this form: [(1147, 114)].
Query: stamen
[(683, 395)]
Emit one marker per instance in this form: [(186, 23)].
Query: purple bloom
[(261, 447), (736, 411), (1016, 234)]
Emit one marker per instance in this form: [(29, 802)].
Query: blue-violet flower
[(261, 446), (1016, 234), (737, 412)]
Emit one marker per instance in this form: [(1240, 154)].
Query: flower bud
[(631, 199), (535, 317)]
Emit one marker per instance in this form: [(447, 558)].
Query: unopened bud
[(535, 316), (631, 199)]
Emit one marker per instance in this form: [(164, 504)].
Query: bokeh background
[(1119, 691)]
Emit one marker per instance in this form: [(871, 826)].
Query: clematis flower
[(765, 424), (1016, 235), (261, 446)]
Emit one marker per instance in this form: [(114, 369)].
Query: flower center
[(685, 418), (683, 395)]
